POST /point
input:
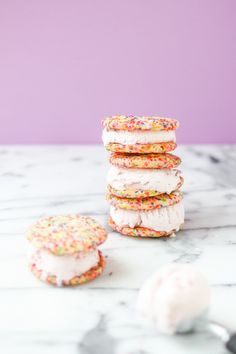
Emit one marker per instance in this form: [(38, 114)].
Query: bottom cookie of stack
[(151, 217)]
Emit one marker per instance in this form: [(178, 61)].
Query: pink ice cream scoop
[(176, 299)]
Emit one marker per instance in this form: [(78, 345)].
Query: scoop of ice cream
[(174, 296), (138, 137), (160, 219), (163, 181)]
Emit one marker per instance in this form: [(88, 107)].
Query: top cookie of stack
[(142, 135), (142, 172)]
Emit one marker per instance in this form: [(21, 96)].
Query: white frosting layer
[(64, 267), (163, 181), (173, 297), (163, 219), (137, 137)]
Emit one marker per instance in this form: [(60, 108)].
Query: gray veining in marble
[(100, 316)]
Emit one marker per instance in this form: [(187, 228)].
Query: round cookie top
[(132, 123), (159, 161), (157, 202), (66, 234)]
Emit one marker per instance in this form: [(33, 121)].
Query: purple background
[(64, 65)]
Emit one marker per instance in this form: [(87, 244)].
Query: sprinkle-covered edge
[(142, 148), (138, 231), (144, 123), (145, 161), (159, 201), (66, 234)]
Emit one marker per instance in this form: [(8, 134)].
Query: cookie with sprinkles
[(64, 249), (138, 148), (143, 123), (150, 217), (157, 202), (149, 161), (138, 231), (139, 134)]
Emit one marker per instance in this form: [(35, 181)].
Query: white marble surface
[(100, 317)]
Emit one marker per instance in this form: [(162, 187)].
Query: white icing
[(137, 137), (163, 181), (163, 219)]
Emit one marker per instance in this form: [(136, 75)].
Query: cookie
[(64, 249), (129, 193), (66, 234), (138, 231), (141, 148), (145, 161), (159, 201), (143, 123)]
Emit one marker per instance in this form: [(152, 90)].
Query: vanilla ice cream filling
[(163, 181), (164, 219), (64, 267), (137, 137)]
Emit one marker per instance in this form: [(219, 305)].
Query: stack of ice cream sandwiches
[(144, 179)]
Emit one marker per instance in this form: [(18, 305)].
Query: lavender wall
[(66, 64)]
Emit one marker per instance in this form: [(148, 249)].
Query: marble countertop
[(100, 317)]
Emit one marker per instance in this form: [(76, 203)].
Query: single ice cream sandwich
[(157, 216), (139, 134), (142, 176), (64, 249)]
